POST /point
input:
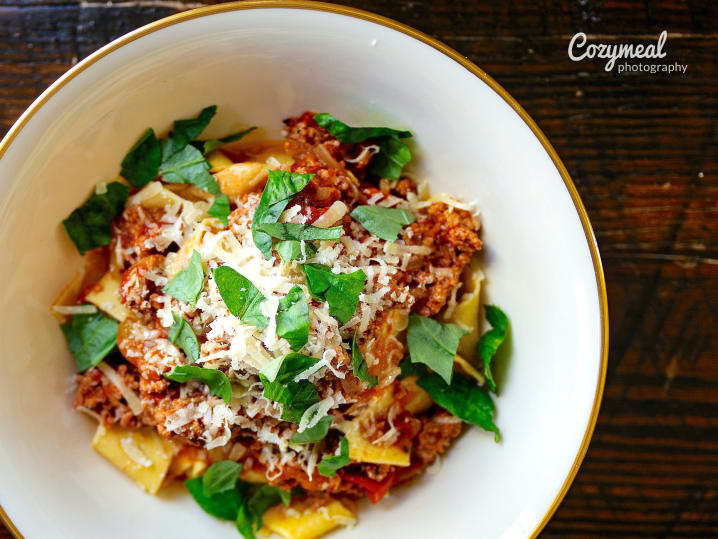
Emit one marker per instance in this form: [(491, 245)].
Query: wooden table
[(641, 148)]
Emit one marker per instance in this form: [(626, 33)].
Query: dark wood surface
[(641, 149)]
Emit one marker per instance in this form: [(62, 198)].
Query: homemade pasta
[(286, 326)]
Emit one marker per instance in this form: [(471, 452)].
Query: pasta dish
[(285, 326)]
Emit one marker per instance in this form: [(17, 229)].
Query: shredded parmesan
[(129, 446), (74, 309), (133, 401)]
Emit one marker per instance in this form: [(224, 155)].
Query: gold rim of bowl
[(441, 47)]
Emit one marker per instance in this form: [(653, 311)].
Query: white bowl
[(262, 62)]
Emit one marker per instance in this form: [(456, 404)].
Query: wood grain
[(642, 151)]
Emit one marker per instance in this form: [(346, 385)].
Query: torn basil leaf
[(294, 250), (386, 223), (462, 398), (293, 318), (216, 380), (142, 162), (279, 385), (89, 225), (392, 157), (290, 231), (220, 209), (313, 434), (182, 334), (185, 131), (188, 283), (393, 153), (340, 290), (359, 366), (434, 344), (281, 187), (353, 135), (491, 340), (90, 338), (208, 146), (241, 297), (329, 465), (250, 517), (187, 165), (220, 476), (224, 505)]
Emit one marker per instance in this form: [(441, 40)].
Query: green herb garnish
[(340, 290), (385, 223), (393, 153), (290, 231), (292, 250), (491, 340), (462, 398), (434, 344), (329, 465), (89, 225), (293, 318), (220, 476), (279, 385), (142, 162), (224, 505), (185, 131), (186, 165), (315, 433), (281, 187), (188, 283), (208, 146), (242, 298), (90, 337), (216, 380), (359, 366), (220, 209), (182, 334)]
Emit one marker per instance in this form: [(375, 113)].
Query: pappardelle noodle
[(284, 326)]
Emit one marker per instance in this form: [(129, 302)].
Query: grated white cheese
[(129, 446)]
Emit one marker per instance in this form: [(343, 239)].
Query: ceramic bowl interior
[(261, 66)]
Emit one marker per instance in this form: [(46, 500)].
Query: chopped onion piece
[(133, 401), (335, 212)]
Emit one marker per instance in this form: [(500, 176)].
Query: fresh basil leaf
[(279, 385), (142, 162), (314, 434), (281, 187), (220, 209), (393, 153), (292, 250), (340, 290), (245, 522), (89, 225), (385, 223), (391, 158), (329, 465), (434, 344), (214, 144), (221, 476), (242, 298), (217, 381), (284, 369), (185, 131), (293, 318), (462, 398), (187, 165), (90, 337), (359, 366), (182, 334), (352, 135), (224, 505), (491, 340), (188, 283), (291, 231)]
